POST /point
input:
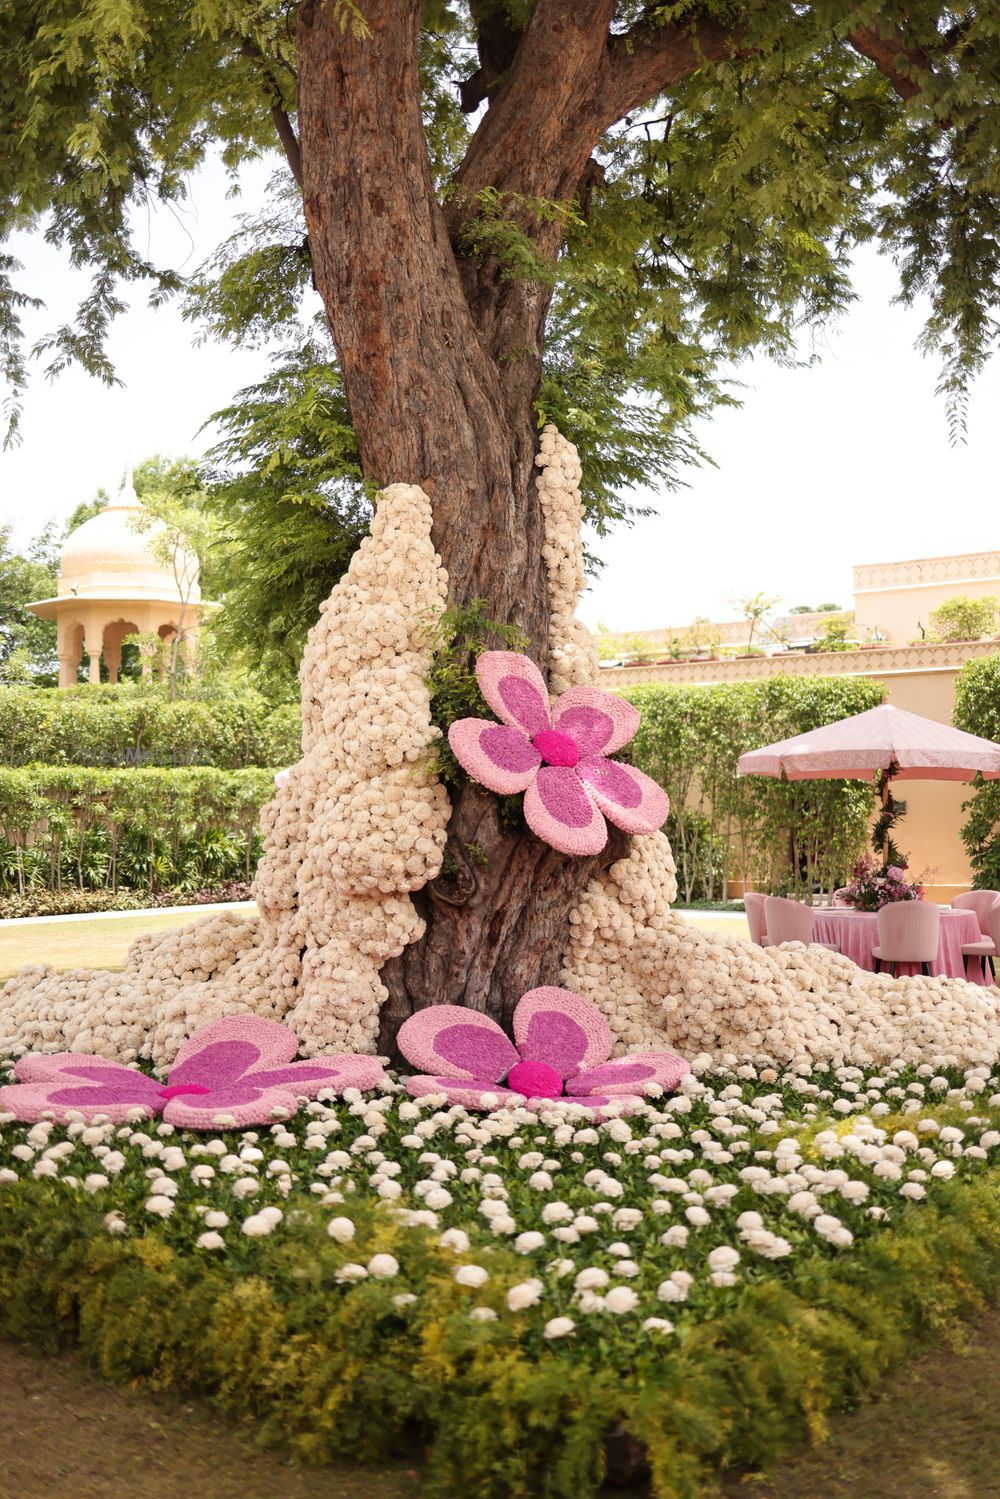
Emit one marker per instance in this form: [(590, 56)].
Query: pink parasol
[(883, 739)]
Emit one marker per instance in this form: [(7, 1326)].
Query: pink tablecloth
[(856, 933)]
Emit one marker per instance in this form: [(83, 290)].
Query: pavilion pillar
[(69, 647), (94, 643)]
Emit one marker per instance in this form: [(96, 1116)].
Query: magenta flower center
[(180, 1088), (535, 1080), (556, 748)]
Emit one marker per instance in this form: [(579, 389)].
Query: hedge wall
[(977, 711), (781, 837), (108, 726), (140, 829)]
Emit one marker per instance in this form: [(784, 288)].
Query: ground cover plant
[(715, 1272)]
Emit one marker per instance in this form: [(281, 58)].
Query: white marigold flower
[(472, 1275), (383, 1266), (161, 1206), (676, 1237), (913, 1190), (943, 1170), (697, 1216), (456, 1239), (559, 1327), (620, 1300), (657, 1324), (723, 1278), (626, 1218), (341, 1229), (528, 1293), (483, 1314), (115, 1223), (404, 1299), (210, 1240), (347, 1274), (591, 1279), (216, 1219), (527, 1243), (723, 1258), (748, 1221), (557, 1212), (855, 1191), (95, 1182), (246, 1186)]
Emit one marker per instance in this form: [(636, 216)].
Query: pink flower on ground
[(239, 1067), (557, 756), (562, 1048)]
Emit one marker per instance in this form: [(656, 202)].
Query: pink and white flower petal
[(559, 810), (632, 799), (502, 759), (30, 1102), (599, 722), (306, 1079), (562, 1029), (515, 689), (457, 1043), (264, 1043), (59, 1065), (471, 1094), (214, 1111), (624, 1075)]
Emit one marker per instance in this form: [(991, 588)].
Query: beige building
[(112, 584), (892, 604)]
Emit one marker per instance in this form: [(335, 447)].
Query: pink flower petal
[(628, 796), (29, 1102), (185, 1113), (56, 1066), (562, 1029), (502, 759), (457, 1043), (264, 1043), (558, 809), (625, 1075), (469, 1094), (515, 690), (599, 722)]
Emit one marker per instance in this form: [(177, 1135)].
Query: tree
[(180, 531), (27, 644), (615, 199), (755, 608), (963, 618)]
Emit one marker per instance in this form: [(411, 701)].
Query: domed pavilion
[(111, 584)]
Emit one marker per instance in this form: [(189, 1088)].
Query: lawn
[(88, 942)]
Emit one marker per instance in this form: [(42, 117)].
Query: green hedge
[(977, 711), (109, 726), (785, 838), (144, 829)]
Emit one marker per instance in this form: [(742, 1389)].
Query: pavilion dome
[(107, 556)]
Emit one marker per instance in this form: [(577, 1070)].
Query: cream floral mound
[(358, 824), (355, 826)]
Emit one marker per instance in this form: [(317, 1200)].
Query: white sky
[(846, 462)]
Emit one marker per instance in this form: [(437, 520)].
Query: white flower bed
[(620, 1228)]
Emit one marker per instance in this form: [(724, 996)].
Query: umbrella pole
[(882, 842)]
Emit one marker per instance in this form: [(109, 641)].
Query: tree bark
[(441, 358)]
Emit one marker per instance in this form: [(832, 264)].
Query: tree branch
[(886, 52), (496, 43), (648, 59), (284, 128)]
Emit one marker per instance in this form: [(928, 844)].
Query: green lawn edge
[(348, 1376)]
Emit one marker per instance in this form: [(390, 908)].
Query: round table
[(856, 933)]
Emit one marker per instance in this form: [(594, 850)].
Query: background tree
[(963, 618), (27, 644), (518, 211)]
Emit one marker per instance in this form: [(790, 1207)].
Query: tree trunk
[(441, 359)]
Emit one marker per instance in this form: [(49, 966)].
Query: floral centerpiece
[(874, 885)]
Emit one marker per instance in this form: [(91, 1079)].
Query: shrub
[(777, 836), (964, 619), (143, 829), (977, 711), (68, 902), (110, 726)]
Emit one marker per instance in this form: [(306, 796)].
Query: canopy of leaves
[(27, 644), (718, 218)]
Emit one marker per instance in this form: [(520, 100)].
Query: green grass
[(99, 943)]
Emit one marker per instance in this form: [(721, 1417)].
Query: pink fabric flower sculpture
[(236, 1071), (562, 1048), (557, 756)]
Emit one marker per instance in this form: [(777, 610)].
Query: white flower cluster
[(657, 978), (572, 653), (354, 826)]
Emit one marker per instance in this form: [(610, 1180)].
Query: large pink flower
[(562, 1049), (557, 757), (235, 1071)]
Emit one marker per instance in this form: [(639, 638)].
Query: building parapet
[(874, 661), (967, 567)]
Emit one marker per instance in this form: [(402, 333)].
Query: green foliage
[(836, 634), (782, 837), (964, 619), (69, 902), (977, 711), (143, 829), (27, 644), (460, 637), (117, 726)]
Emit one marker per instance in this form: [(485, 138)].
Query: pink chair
[(790, 921), (754, 906), (981, 902), (994, 915), (909, 931)]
